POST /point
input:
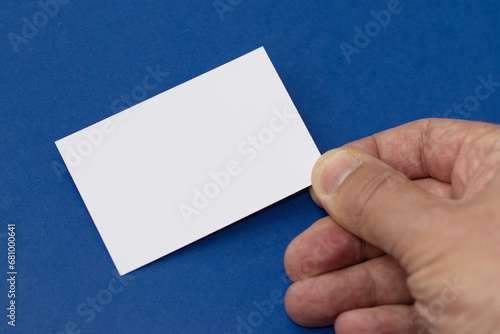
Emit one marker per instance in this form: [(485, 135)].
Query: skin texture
[(411, 243)]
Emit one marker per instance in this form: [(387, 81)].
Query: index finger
[(426, 148)]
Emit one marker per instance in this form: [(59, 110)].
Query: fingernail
[(335, 168), (314, 197)]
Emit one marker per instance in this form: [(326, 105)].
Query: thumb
[(374, 201)]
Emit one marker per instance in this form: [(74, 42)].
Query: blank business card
[(190, 161)]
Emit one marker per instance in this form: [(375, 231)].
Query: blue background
[(67, 75)]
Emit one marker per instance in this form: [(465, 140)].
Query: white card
[(190, 161)]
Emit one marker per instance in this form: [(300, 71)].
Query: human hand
[(412, 240)]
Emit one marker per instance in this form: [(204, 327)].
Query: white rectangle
[(190, 161)]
